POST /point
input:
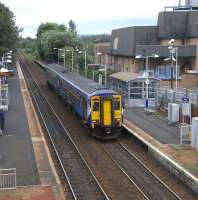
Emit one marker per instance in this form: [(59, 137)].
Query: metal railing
[(4, 97), (185, 134), (8, 179), (165, 96)]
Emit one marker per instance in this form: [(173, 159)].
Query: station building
[(132, 87), (178, 23)]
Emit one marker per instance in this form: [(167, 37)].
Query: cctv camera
[(171, 42)]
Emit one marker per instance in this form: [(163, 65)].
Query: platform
[(16, 149), (154, 125), (23, 147), (28, 193), (162, 141)]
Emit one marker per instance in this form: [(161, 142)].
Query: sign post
[(186, 108)]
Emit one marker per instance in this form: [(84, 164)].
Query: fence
[(185, 134), (165, 96), (7, 179)]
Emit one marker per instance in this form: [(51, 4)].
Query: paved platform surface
[(16, 149), (46, 169), (28, 193), (155, 126), (156, 131)]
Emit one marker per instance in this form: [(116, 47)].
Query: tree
[(50, 40), (53, 35), (9, 32), (72, 27), (48, 26)]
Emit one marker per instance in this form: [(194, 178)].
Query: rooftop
[(125, 76)]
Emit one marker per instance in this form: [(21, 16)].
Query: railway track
[(138, 173), (117, 167), (131, 193), (82, 182)]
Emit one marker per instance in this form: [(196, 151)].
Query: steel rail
[(67, 135), (51, 140), (125, 174), (144, 166)]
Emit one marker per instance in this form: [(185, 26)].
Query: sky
[(90, 16)]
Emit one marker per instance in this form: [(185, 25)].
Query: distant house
[(102, 48), (127, 43)]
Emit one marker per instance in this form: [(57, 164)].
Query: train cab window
[(95, 106), (117, 105)]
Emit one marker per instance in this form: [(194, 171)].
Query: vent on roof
[(101, 88)]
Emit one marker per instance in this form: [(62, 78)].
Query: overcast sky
[(90, 16)]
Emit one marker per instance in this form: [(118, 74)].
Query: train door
[(107, 112), (95, 110), (117, 109)]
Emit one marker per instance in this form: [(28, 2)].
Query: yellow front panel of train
[(107, 112)]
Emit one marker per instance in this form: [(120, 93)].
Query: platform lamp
[(173, 51), (146, 74), (58, 53), (85, 60), (7, 60), (72, 57)]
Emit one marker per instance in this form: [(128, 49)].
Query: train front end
[(106, 115)]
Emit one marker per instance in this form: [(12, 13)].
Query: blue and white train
[(100, 108)]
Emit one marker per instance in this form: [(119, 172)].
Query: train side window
[(95, 106), (117, 105)]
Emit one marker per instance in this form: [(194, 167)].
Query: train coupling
[(108, 131)]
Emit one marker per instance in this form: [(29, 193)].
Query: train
[(99, 107)]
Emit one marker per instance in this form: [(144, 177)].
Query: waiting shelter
[(133, 88)]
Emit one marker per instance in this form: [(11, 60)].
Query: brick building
[(180, 23)]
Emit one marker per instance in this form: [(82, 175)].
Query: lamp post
[(72, 58), (64, 56), (85, 61), (176, 63), (146, 74), (173, 50), (105, 69), (58, 53), (2, 60)]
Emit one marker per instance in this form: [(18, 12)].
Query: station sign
[(185, 100), (186, 106)]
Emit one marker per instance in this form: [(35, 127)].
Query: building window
[(115, 43), (136, 90), (95, 106), (163, 72)]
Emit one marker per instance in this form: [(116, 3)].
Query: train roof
[(84, 84)]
